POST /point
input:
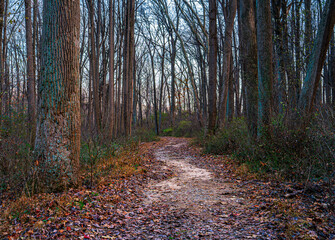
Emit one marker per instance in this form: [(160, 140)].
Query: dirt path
[(177, 194), (200, 203), (192, 189)]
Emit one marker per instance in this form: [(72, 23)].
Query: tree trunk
[(296, 84), (317, 59), (161, 87), (173, 87), (229, 13), (308, 29), (128, 56), (265, 71), (57, 144), (111, 108), (30, 73), (212, 71), (154, 90), (2, 9), (93, 69)]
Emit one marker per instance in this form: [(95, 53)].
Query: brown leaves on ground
[(114, 208)]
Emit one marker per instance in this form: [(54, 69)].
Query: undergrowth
[(101, 163), (301, 155), (100, 159)]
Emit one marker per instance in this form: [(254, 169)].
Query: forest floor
[(180, 194)]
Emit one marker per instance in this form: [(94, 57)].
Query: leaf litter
[(182, 194)]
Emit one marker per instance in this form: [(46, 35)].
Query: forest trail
[(177, 193), (199, 202), (191, 189)]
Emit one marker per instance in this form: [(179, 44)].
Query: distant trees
[(179, 60), (57, 145), (317, 58)]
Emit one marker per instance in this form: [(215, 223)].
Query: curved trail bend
[(199, 199), (191, 189)]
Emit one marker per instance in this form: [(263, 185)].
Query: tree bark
[(30, 73), (57, 145), (212, 71), (248, 45), (111, 108), (265, 69), (2, 9), (93, 69)]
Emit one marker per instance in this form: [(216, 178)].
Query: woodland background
[(255, 80)]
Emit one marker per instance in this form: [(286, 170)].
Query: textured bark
[(248, 45), (131, 64), (30, 73), (265, 69), (212, 70), (57, 144), (317, 59), (279, 45), (128, 67)]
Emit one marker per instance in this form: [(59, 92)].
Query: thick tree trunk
[(128, 56), (265, 69), (57, 144), (212, 70), (248, 45), (280, 52)]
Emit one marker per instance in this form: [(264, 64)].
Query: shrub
[(168, 132), (304, 154), (15, 153), (230, 139), (183, 128), (145, 135)]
